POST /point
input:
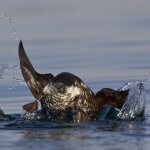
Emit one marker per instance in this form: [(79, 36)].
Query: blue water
[(105, 43)]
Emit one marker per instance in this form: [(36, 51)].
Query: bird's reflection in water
[(108, 134), (85, 131)]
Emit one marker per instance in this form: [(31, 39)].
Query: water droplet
[(3, 70), (20, 81), (4, 15), (11, 87)]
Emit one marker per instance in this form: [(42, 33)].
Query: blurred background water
[(105, 43)]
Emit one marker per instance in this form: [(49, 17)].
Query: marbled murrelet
[(65, 95)]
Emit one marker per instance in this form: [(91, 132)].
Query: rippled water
[(106, 43)]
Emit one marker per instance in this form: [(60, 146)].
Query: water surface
[(106, 43)]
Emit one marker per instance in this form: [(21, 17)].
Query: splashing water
[(20, 81), (4, 15), (135, 104), (29, 116), (5, 68), (11, 88), (37, 115)]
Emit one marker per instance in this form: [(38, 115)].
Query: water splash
[(37, 115), (4, 15), (11, 88), (4, 68), (135, 104), (20, 81)]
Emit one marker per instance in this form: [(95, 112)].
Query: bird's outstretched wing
[(108, 96), (35, 81)]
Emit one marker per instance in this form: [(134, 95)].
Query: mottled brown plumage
[(66, 97)]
